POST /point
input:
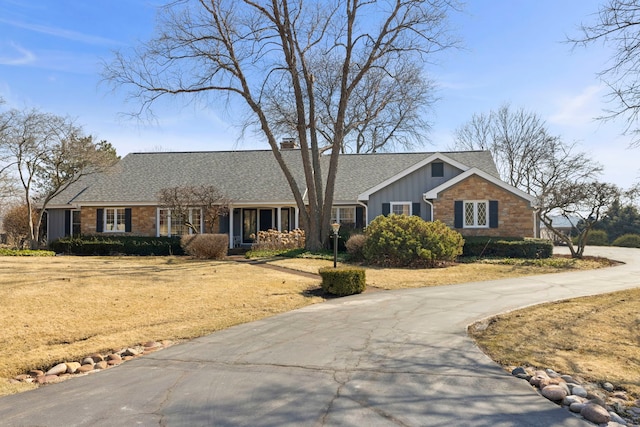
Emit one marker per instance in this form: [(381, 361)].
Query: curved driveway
[(396, 358)]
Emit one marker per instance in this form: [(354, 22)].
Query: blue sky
[(513, 51)]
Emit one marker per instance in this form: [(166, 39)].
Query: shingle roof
[(244, 176)]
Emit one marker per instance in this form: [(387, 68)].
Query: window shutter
[(67, 222), (415, 209), (457, 214), (493, 214), (386, 208), (99, 220), (359, 217), (127, 220), (223, 222)]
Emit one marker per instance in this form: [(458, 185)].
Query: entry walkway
[(397, 358)]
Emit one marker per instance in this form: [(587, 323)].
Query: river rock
[(87, 361), (60, 368), (72, 367), (576, 407), (554, 392), (101, 365), (567, 401), (578, 390), (595, 413), (85, 368), (608, 386)]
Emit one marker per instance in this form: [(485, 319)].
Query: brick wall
[(515, 215)]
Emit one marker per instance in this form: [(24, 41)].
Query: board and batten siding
[(410, 188), (57, 224)]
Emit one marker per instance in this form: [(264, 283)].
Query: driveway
[(396, 358)]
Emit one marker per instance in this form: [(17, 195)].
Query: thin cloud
[(14, 54), (580, 109), (61, 33)]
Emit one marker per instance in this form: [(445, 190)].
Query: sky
[(512, 51)]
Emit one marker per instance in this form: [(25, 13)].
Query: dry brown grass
[(596, 337), (402, 278), (64, 308)]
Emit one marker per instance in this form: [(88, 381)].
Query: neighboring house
[(564, 224), (461, 189)]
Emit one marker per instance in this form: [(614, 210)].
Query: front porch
[(244, 222)]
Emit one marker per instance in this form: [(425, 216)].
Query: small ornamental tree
[(402, 241)]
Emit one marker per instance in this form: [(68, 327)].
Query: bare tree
[(180, 200), (46, 153), (618, 25), (518, 140), (586, 201), (529, 158), (250, 51)]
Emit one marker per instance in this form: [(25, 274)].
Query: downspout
[(424, 197)]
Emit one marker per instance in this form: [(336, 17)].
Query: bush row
[(25, 252), (114, 245), (507, 247)]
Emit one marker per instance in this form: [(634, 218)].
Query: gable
[(447, 159), (435, 192)]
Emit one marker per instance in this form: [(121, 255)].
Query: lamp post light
[(335, 226)]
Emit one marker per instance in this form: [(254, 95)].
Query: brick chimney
[(288, 144)]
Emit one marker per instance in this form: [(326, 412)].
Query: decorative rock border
[(601, 404), (92, 363)]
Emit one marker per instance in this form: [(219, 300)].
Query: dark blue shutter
[(457, 214), (223, 222), (386, 208), (67, 222), (493, 214), (359, 217), (127, 220), (415, 209), (99, 220)]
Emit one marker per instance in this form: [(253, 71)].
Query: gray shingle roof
[(244, 176)]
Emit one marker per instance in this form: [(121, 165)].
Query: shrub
[(507, 247), (401, 240), (355, 246), (279, 240), (112, 245), (206, 246), (628, 241), (343, 281), (597, 238), (16, 225), (25, 252)]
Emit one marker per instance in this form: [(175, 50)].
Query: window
[(343, 215), (401, 208), (114, 220), (476, 213), (171, 224), (437, 169)]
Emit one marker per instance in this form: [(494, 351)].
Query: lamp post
[(335, 226)]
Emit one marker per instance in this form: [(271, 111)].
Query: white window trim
[(392, 204), (338, 208), (475, 213), (105, 228), (168, 219)]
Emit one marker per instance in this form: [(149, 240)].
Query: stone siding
[(515, 215)]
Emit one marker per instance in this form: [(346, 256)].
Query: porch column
[(297, 217), (230, 226), (279, 219)]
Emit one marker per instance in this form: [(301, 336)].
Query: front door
[(249, 225)]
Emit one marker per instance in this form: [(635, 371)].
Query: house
[(462, 189)]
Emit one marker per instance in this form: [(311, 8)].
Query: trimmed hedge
[(118, 245), (627, 241), (343, 281), (25, 252), (507, 247)]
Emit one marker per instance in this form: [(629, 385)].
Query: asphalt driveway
[(394, 358)]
